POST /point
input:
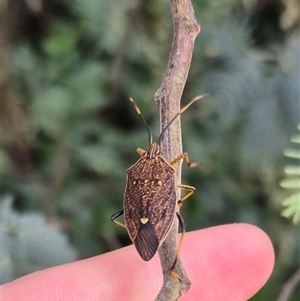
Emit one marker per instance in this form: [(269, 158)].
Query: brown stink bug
[(150, 204)]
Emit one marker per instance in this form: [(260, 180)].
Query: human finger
[(230, 262)]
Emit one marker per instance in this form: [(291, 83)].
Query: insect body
[(150, 204)]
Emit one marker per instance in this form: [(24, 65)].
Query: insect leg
[(182, 226), (140, 151), (186, 157), (116, 215), (191, 190)]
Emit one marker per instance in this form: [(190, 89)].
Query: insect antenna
[(144, 121), (179, 113)]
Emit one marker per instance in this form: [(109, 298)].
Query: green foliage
[(29, 243), (69, 133), (292, 203)]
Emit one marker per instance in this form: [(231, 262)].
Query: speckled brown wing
[(149, 204), (146, 241)]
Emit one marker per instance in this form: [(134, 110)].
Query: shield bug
[(150, 204)]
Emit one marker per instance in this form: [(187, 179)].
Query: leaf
[(29, 243), (51, 109), (62, 41), (290, 183), (292, 203)]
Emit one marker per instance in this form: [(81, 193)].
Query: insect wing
[(149, 205), (146, 241)]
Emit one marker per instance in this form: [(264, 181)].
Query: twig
[(168, 98), (289, 287)]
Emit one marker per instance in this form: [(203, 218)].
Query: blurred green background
[(68, 131)]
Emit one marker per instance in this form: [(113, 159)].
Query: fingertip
[(232, 262)]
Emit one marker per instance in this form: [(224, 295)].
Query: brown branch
[(168, 98), (289, 287)]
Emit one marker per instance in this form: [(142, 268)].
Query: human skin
[(224, 263)]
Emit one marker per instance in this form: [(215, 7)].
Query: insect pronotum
[(150, 203)]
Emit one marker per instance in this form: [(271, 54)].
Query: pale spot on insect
[(144, 220), (159, 183)]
